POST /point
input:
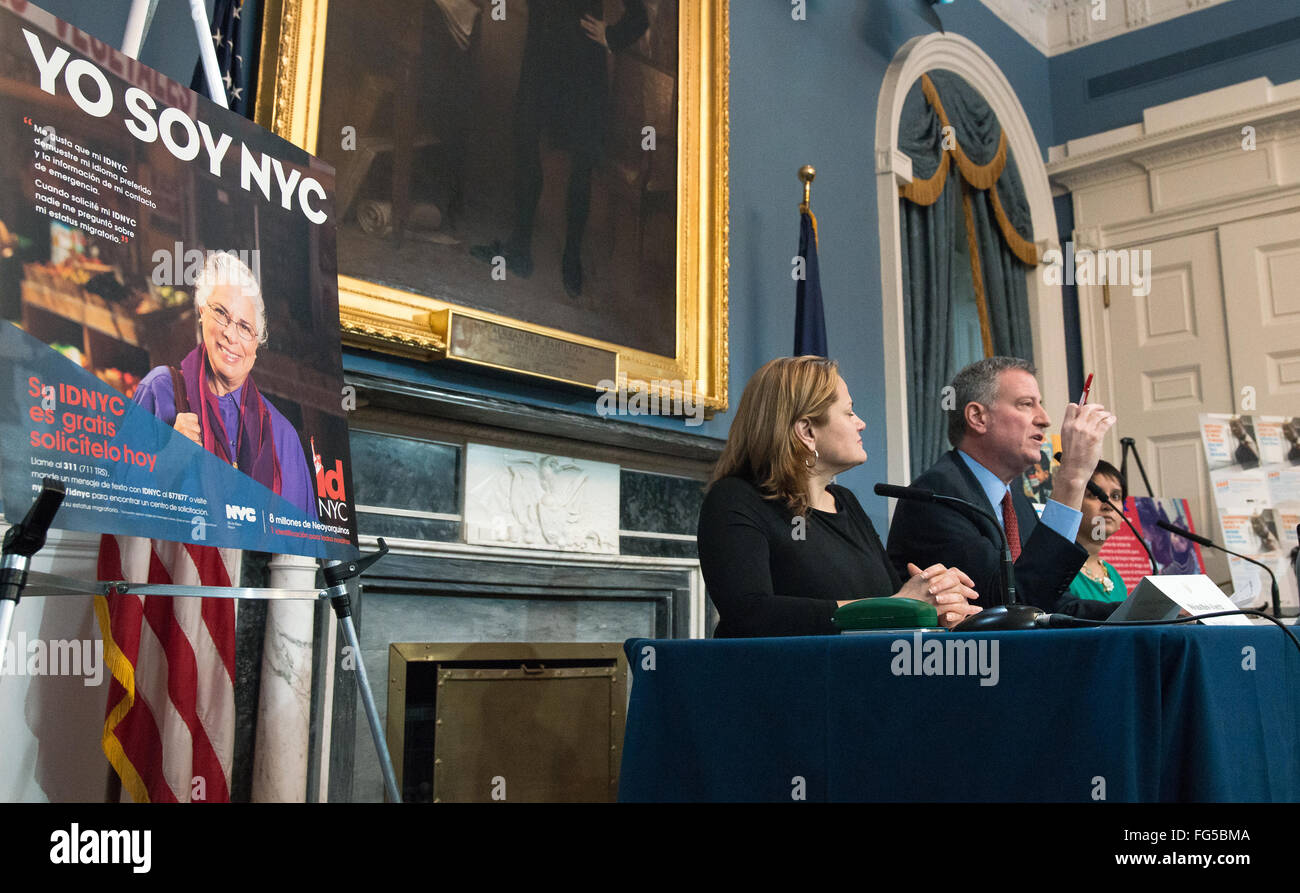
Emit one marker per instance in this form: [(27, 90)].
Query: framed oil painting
[(534, 185)]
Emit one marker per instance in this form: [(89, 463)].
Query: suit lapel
[(1026, 517)]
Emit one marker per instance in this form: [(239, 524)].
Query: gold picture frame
[(408, 324)]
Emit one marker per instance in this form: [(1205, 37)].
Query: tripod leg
[(7, 607), (13, 577), (372, 715)]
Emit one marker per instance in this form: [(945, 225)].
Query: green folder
[(885, 613)]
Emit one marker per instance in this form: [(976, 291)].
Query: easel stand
[(1127, 445), (27, 538), (137, 24)]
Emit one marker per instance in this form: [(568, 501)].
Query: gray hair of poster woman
[(225, 268)]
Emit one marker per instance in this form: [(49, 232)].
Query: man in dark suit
[(997, 429), (564, 91)]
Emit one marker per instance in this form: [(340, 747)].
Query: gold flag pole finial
[(806, 175)]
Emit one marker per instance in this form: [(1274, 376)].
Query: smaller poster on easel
[(1173, 554), (1037, 481)]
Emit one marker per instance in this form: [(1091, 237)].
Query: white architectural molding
[(1192, 166), (574, 560), (964, 58), (1246, 135), (525, 499), (1058, 26)]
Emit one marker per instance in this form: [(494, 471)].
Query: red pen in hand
[(1087, 386)]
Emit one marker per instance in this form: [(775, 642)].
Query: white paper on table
[(1157, 597)]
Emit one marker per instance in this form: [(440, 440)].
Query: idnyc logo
[(669, 397), (240, 513), (331, 495)]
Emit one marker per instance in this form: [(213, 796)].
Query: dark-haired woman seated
[(781, 547), (1098, 580)]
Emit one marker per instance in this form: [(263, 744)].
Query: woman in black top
[(781, 547)]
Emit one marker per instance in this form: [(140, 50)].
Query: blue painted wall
[(1075, 114), (802, 92), (806, 92)]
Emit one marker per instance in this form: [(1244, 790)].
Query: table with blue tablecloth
[(1172, 713)]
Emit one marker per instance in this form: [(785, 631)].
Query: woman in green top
[(1098, 579)]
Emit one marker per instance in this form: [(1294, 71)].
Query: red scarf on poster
[(256, 447)]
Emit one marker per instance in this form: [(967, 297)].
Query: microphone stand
[(1101, 494), (1204, 541), (1010, 614), (21, 542)]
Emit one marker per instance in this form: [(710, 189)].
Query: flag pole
[(806, 175), (809, 316), (137, 25), (216, 89)]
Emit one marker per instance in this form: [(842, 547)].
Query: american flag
[(170, 721), (229, 18)]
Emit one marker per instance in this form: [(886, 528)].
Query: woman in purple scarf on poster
[(212, 399)]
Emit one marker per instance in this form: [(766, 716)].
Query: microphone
[(896, 492), (1010, 614), (1101, 494), (26, 538), (1209, 543), (21, 542)]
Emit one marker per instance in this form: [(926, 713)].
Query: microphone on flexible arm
[(1204, 541), (1010, 614), (26, 538), (21, 542), (1101, 494)]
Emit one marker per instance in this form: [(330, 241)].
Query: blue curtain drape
[(971, 157), (932, 273)]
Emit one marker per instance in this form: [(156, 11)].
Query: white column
[(284, 704)]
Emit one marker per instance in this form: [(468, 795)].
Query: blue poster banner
[(126, 471), (169, 326)]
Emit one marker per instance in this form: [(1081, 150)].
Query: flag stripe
[(170, 714), (188, 752), (141, 733)]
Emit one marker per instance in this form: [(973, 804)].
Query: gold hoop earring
[(813, 463)]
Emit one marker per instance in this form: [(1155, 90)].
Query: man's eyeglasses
[(222, 318)]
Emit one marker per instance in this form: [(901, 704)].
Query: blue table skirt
[(1150, 714)]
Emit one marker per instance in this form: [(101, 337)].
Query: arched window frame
[(962, 57)]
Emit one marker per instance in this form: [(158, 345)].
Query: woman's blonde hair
[(762, 446)]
